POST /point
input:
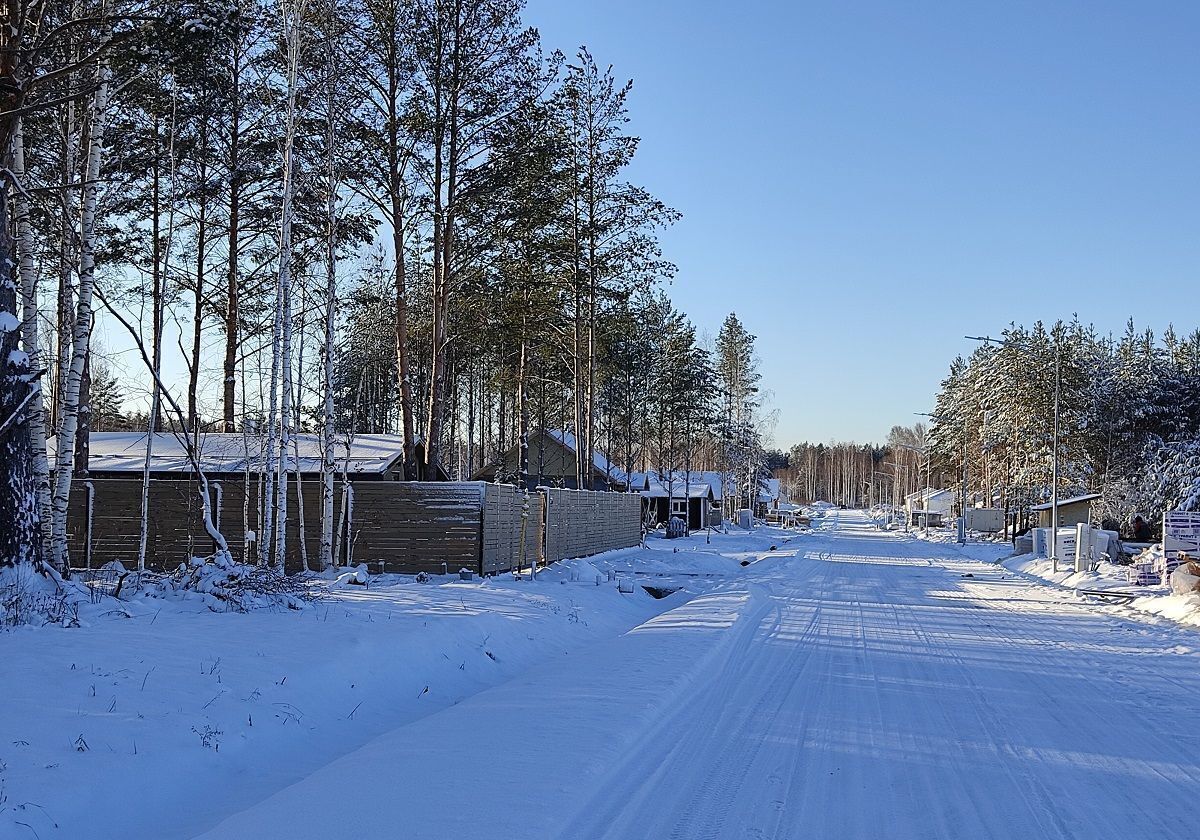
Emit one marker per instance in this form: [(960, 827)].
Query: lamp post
[(1054, 450)]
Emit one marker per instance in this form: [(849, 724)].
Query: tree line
[(1129, 420), (339, 217), (858, 475)]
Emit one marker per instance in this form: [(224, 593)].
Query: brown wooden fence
[(504, 520), (580, 523), (404, 527)]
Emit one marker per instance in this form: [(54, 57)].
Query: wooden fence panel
[(502, 524), (412, 527), (580, 523), (107, 526)]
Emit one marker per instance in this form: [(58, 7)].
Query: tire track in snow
[(901, 709)]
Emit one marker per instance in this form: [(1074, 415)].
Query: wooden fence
[(580, 523), (504, 518), (405, 527)]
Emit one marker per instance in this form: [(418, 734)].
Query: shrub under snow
[(227, 585), (30, 596)]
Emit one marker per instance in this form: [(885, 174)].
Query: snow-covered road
[(866, 685)]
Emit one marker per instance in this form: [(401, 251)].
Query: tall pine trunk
[(232, 289)]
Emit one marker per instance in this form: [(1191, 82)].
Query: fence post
[(217, 501), (483, 493), (87, 535)]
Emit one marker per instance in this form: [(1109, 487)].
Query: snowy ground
[(159, 718), (851, 683), (1156, 600), (870, 685)]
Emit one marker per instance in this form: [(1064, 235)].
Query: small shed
[(667, 498), (770, 494), (1071, 511)]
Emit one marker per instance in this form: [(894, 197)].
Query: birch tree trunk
[(284, 315), (31, 345), (21, 536), (81, 334), (325, 554)]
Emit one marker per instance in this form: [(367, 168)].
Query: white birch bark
[(297, 400), (29, 336), (81, 332), (327, 358), (291, 26), (266, 536)]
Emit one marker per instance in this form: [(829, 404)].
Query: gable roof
[(677, 490), (712, 478), (1086, 497), (600, 462), (225, 452), (927, 493)]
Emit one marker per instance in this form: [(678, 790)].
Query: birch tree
[(82, 328)]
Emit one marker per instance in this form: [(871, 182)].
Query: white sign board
[(1066, 544), (1039, 541), (1083, 547), (1181, 532)]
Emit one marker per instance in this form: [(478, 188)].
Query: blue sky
[(865, 181)]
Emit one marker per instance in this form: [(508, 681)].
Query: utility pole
[(1054, 456)]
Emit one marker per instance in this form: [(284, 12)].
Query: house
[(721, 485), (929, 507), (1070, 511), (229, 455), (553, 461), (770, 495), (672, 495)]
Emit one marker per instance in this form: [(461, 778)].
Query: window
[(679, 507)]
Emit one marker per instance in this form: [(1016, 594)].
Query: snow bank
[(1182, 608), (1155, 598), (594, 710), (38, 598), (247, 703)]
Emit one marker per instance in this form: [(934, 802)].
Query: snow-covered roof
[(1086, 497), (660, 490), (223, 452), (772, 491), (712, 478), (928, 493), (599, 460)]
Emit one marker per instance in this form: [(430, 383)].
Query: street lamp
[(1054, 451)]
